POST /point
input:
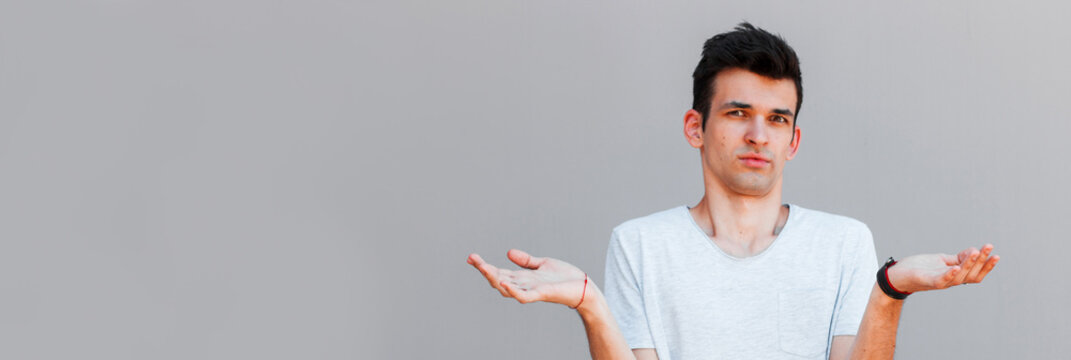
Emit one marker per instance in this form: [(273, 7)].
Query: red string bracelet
[(583, 293)]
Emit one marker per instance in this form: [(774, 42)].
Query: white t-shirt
[(672, 289)]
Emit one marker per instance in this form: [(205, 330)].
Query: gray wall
[(282, 180)]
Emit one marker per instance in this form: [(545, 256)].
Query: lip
[(754, 160)]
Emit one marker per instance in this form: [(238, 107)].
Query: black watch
[(883, 282)]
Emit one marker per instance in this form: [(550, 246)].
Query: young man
[(741, 275)]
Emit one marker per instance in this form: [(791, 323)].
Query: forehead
[(737, 84)]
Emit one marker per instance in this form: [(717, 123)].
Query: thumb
[(524, 260)]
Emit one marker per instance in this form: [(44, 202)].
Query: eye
[(779, 118), (736, 113)]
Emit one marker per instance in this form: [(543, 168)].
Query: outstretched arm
[(877, 333), (552, 280)]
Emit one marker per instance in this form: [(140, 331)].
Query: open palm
[(941, 271), (540, 279)]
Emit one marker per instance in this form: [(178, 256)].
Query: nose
[(756, 133)]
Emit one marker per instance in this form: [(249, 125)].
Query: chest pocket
[(803, 320)]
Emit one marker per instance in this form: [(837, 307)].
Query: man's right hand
[(556, 281), (541, 279)]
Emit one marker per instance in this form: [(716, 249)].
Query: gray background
[(283, 180)]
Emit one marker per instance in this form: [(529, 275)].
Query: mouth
[(754, 161)]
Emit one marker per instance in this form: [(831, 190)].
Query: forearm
[(604, 337), (877, 333)]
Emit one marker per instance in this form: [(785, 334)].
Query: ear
[(693, 128), (794, 146)]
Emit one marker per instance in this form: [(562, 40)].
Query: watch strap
[(886, 286)]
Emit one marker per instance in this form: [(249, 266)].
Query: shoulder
[(668, 220), (825, 222), (845, 235)]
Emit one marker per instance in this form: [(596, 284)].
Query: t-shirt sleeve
[(623, 294), (859, 268)]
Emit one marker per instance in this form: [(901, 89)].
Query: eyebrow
[(735, 105), (742, 105), (785, 112)]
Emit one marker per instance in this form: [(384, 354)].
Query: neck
[(739, 218)]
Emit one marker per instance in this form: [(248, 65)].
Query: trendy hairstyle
[(749, 48)]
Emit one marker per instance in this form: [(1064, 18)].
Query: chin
[(751, 184)]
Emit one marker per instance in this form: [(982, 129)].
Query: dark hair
[(749, 48)]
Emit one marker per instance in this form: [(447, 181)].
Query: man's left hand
[(940, 271)]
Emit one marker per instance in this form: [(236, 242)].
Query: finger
[(949, 276), (972, 258), (477, 262), (989, 265), (492, 274), (474, 259), (983, 258), (524, 260), (485, 269), (950, 260), (504, 275), (965, 255), (523, 296)]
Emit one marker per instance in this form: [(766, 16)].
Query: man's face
[(749, 134)]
